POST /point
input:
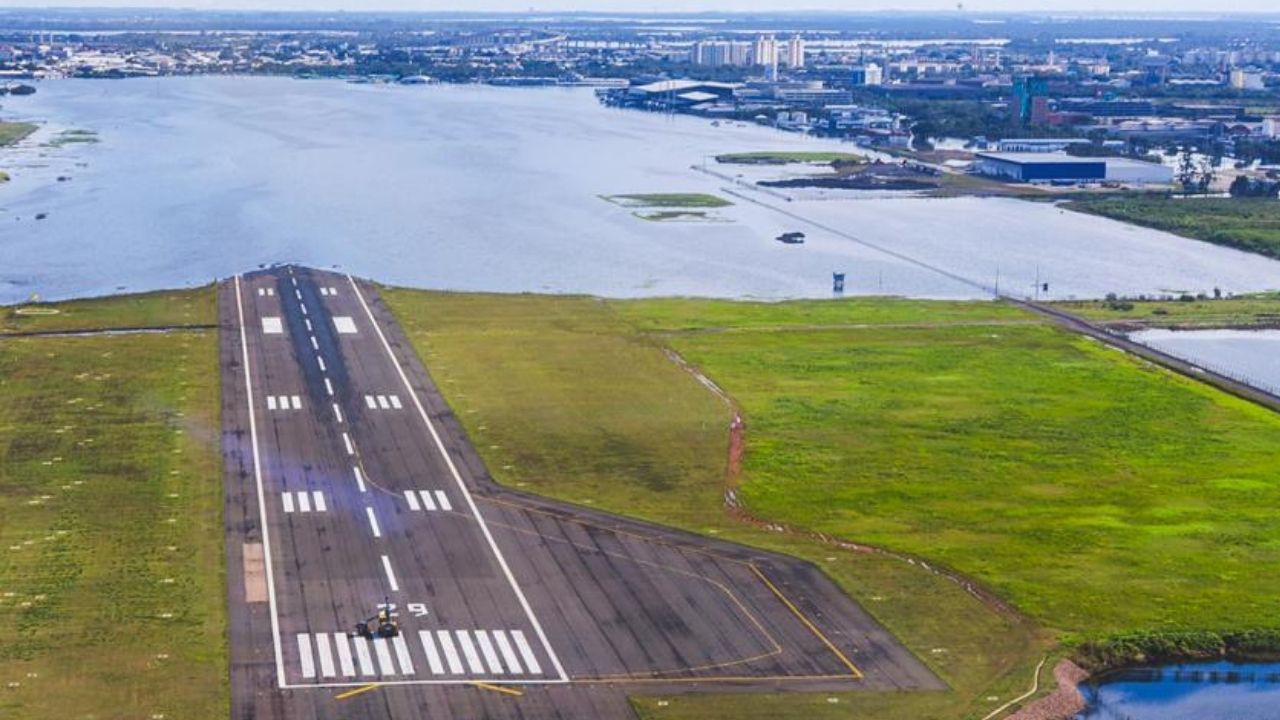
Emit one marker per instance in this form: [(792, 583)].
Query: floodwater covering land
[(1248, 355), (478, 188), (1202, 691)]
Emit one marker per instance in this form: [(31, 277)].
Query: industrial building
[(1062, 168)]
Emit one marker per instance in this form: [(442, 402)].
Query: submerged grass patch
[(73, 137), (668, 200), (773, 157), (111, 555), (12, 132)]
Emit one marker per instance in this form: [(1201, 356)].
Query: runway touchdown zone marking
[(284, 402), (427, 500), (272, 325), (383, 402), (304, 501)]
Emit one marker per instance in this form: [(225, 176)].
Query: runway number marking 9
[(418, 609)]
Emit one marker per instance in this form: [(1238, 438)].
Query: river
[(479, 188)]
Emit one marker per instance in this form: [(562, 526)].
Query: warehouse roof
[(1032, 158)]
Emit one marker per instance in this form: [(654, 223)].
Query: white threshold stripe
[(469, 651), (385, 665), (486, 649), (412, 500), (287, 499), (261, 490), (359, 478), (450, 652), (304, 654), (343, 644), (318, 501), (395, 401), (382, 402), (373, 522), (346, 440), (368, 400), (297, 402), (427, 502), (362, 655), (462, 486), (433, 657), (304, 502), (443, 501), (402, 654), (508, 652), (526, 652), (326, 655), (271, 402), (391, 575)]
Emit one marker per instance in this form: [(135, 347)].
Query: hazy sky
[(1101, 6)]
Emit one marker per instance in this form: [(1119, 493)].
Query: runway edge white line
[(262, 499), (462, 486)]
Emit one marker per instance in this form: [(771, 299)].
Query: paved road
[(350, 484)]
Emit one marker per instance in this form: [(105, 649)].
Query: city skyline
[(663, 6)]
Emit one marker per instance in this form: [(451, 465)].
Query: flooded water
[(1207, 691), (477, 188), (1252, 356)]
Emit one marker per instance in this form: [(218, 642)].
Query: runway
[(350, 484)]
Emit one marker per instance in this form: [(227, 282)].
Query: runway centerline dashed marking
[(391, 574), (346, 440), (359, 478), (328, 386), (373, 522), (461, 484), (337, 412)]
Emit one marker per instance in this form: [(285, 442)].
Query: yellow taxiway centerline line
[(357, 691), (497, 688)]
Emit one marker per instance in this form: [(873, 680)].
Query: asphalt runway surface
[(350, 485)]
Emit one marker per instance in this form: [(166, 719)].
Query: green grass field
[(668, 200), (173, 308), (564, 396), (1096, 493), (1259, 309), (1246, 224), (111, 557)]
